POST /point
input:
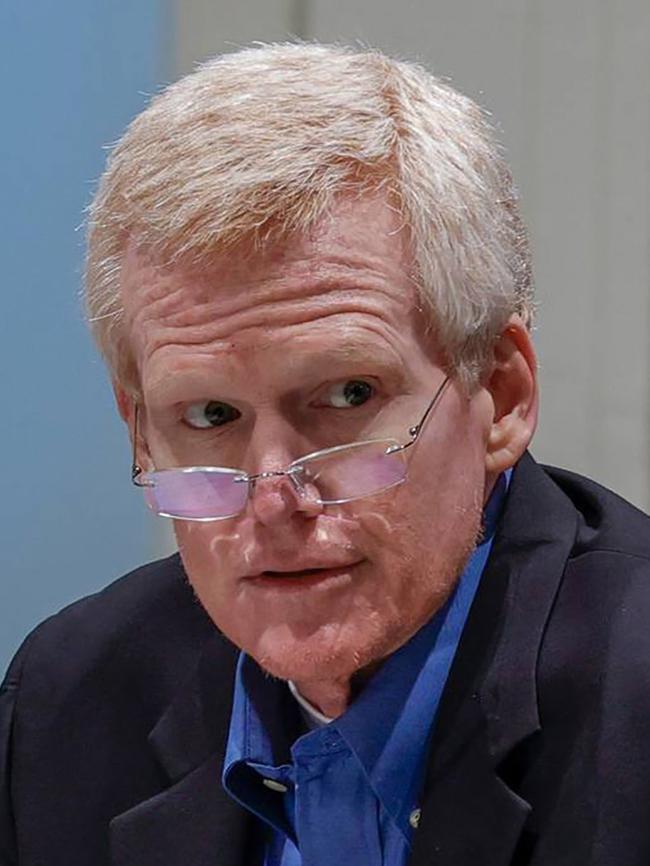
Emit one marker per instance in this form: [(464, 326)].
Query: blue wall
[(73, 75)]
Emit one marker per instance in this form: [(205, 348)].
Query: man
[(390, 637)]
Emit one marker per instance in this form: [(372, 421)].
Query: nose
[(276, 499)]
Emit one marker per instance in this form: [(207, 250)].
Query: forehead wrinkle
[(323, 271), (151, 327), (262, 322), (186, 307), (201, 308)]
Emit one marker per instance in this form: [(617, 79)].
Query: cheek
[(214, 556), (417, 542), (421, 532), (212, 552)]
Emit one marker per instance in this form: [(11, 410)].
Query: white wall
[(568, 83)]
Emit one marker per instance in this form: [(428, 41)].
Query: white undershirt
[(313, 718)]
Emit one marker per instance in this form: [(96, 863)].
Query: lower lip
[(302, 580)]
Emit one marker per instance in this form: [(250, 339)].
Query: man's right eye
[(212, 413)]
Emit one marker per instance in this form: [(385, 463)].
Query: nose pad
[(307, 492)]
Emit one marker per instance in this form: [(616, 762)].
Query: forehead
[(353, 273)]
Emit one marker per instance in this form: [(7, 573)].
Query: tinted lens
[(197, 495), (358, 470)]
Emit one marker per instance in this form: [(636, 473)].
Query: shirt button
[(414, 818), (275, 786)]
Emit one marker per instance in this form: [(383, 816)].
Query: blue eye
[(353, 392), (212, 413)]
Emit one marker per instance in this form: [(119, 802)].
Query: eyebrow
[(368, 357), (350, 351)]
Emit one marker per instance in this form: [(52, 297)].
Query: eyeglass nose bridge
[(293, 472)]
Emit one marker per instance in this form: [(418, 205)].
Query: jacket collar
[(489, 706)]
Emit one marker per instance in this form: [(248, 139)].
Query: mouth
[(305, 579)]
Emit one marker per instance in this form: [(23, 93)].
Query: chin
[(326, 653), (331, 652)]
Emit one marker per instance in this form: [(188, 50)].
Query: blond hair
[(258, 144)]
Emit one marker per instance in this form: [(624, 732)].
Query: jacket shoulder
[(595, 654), (606, 521), (146, 626), (599, 618), (574, 562)]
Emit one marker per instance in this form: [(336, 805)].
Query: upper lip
[(296, 565)]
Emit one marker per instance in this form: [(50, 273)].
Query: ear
[(515, 397), (124, 403)]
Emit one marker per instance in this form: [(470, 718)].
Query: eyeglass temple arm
[(415, 431), (136, 470)]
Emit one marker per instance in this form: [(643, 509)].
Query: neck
[(332, 697)]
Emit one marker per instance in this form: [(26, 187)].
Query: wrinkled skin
[(276, 336)]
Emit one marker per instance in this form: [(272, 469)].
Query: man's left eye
[(352, 392)]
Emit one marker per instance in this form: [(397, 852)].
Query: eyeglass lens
[(339, 475), (361, 470), (195, 495)]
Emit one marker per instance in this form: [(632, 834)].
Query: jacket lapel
[(470, 812), (193, 822)]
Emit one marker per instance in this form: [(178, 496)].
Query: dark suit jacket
[(116, 710)]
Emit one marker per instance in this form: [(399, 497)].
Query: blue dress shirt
[(347, 792)]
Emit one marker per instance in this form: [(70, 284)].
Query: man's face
[(262, 359)]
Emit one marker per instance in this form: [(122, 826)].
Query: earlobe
[(513, 388)]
